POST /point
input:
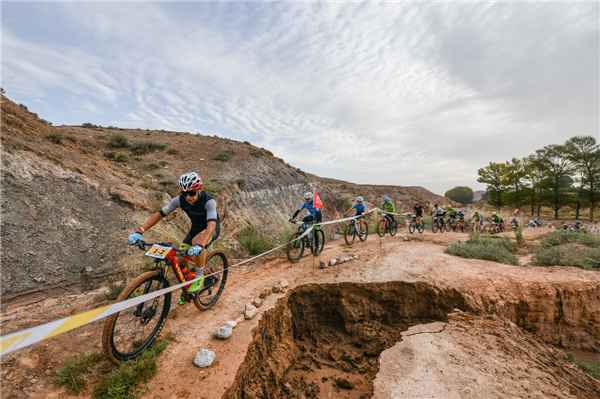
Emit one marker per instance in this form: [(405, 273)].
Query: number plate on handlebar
[(158, 251)]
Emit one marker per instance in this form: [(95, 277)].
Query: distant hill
[(71, 194)]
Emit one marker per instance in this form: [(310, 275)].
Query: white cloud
[(409, 93)]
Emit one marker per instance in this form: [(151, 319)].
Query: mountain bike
[(451, 223), (438, 224), (356, 228), (415, 225), (387, 225), (128, 333), (460, 225), (315, 241)]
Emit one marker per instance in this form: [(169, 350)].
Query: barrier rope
[(21, 339)]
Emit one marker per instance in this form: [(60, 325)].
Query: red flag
[(317, 203)]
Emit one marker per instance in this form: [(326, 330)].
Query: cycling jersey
[(418, 211), (360, 209), (314, 213), (200, 213), (388, 207)]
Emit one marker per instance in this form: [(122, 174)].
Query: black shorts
[(194, 232), (311, 219)]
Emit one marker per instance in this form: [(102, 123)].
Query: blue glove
[(194, 250), (134, 238)]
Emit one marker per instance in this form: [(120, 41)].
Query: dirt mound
[(326, 341)]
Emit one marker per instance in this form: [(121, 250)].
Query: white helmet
[(360, 198), (308, 195), (190, 181)]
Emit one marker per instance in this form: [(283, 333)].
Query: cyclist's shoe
[(182, 300), (196, 286)]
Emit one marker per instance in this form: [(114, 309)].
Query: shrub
[(592, 259), (223, 156), (172, 151), (253, 241), (590, 367), (56, 138), (116, 157), (241, 183), (146, 147), (90, 125), (565, 237), (256, 153), (488, 249), (213, 186), (118, 141), (123, 382), (568, 255), (152, 166), (72, 374)]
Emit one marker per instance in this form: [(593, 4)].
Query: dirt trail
[(532, 297)]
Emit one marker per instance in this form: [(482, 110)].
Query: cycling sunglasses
[(190, 193)]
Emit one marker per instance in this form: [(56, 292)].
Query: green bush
[(253, 241), (561, 237), (116, 157), (223, 156), (589, 367), (124, 382), (213, 186), (568, 255), (592, 259), (498, 250), (56, 138), (72, 374), (118, 141), (146, 147), (90, 125)]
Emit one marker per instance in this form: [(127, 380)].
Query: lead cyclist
[(201, 209)]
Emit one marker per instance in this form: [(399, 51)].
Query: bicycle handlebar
[(143, 245)]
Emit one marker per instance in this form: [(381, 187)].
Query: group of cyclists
[(201, 209)]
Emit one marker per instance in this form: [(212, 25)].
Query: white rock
[(231, 323), (250, 311), (284, 284), (224, 332), (257, 302), (281, 286), (333, 262), (204, 358)]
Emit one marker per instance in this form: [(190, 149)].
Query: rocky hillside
[(72, 193)]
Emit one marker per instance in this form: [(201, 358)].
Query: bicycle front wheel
[(363, 231), (216, 271), (411, 228), (318, 242), (295, 248), (434, 227), (381, 228), (393, 229), (350, 234), (128, 333)]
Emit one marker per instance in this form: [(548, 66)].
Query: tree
[(584, 153), (514, 176), (494, 176), (534, 176), (557, 170), (460, 194)]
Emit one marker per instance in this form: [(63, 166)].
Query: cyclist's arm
[(156, 216)]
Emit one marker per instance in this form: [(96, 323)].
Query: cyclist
[(418, 209), (438, 213), (388, 206), (314, 214), (451, 212), (201, 208), (360, 208)]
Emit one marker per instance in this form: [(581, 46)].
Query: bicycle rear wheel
[(411, 228), (128, 333), (295, 248), (350, 234), (420, 227), (381, 228), (216, 272), (434, 226)]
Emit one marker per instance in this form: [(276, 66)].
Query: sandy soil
[(29, 373)]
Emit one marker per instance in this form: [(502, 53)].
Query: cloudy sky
[(391, 93)]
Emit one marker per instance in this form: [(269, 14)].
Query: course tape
[(21, 339)]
